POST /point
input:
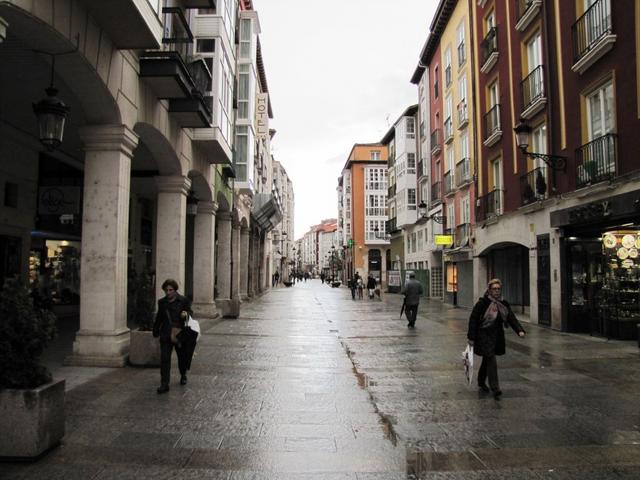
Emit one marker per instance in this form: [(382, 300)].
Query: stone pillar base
[(100, 349), (205, 310), (230, 308), (244, 297)]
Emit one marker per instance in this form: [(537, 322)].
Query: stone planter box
[(31, 420), (144, 349)]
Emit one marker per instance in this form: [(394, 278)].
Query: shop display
[(621, 289)]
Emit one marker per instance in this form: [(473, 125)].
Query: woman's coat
[(489, 341)]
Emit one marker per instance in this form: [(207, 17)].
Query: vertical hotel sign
[(262, 115)]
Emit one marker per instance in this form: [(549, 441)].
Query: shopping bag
[(194, 325), (467, 363)]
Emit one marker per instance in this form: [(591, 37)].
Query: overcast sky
[(338, 73)]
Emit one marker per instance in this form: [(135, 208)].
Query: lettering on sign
[(262, 115), (591, 211)]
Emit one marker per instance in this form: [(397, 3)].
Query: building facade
[(144, 179)]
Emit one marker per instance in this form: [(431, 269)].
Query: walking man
[(412, 292)]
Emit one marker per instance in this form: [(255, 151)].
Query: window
[(451, 162), (465, 210), (411, 127), (496, 170), (493, 95), (490, 21), (413, 242), (411, 163), (243, 91), (461, 52), (376, 179), (435, 82), (242, 152), (447, 67), (420, 242), (451, 215), (411, 198), (205, 45), (534, 52), (375, 155), (601, 111), (245, 38), (375, 205), (539, 143)]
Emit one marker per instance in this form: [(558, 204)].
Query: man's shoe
[(183, 380), (496, 394), (163, 389)]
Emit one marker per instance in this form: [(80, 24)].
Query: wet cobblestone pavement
[(308, 384)]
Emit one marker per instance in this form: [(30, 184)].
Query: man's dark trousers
[(412, 312), (165, 361)]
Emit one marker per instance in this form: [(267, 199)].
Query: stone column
[(103, 338), (244, 266), (204, 260), (171, 230), (236, 255), (224, 256)]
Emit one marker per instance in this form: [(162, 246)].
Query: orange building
[(362, 200)]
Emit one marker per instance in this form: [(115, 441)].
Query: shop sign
[(59, 200), (591, 211), (443, 239), (262, 115)]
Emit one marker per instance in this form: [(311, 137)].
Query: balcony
[(492, 126), (448, 183), (392, 191), (171, 77), (463, 172), (436, 193), (490, 205), (533, 93), (592, 36), (392, 225), (463, 115), (267, 210), (534, 186), (461, 54), (596, 161), (135, 26), (489, 50), (527, 11), (448, 130), (436, 141), (462, 235)]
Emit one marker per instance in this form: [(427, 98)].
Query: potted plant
[(144, 349), (32, 416)]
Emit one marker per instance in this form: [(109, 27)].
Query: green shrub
[(25, 331)]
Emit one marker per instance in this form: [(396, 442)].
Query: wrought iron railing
[(436, 192), (492, 121), (436, 139), (532, 87), (462, 235), (596, 161), (489, 45), (463, 113), (392, 225), (490, 205), (594, 24), (448, 182), (463, 172), (177, 35), (523, 6), (448, 129), (534, 186), (461, 54)]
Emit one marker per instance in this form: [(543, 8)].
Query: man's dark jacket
[(412, 292), (168, 315)]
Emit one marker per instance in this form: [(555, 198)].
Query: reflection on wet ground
[(309, 384)]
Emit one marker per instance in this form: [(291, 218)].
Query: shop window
[(11, 195)]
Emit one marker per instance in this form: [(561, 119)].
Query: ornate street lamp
[(51, 111), (554, 162), (422, 210)]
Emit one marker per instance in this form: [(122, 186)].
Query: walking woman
[(173, 313), (486, 333)]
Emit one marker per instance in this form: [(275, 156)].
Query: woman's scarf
[(490, 315)]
